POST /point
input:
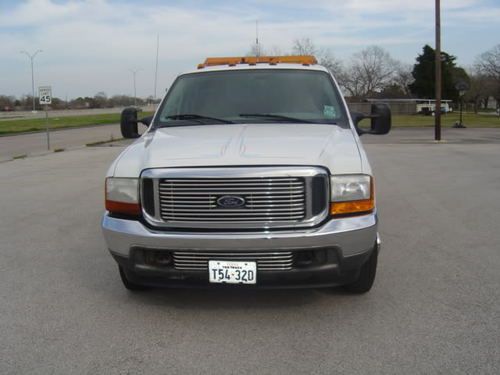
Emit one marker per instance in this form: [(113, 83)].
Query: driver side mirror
[(380, 120), (129, 121)]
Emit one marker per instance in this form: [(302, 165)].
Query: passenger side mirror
[(380, 120), (146, 120), (129, 121)]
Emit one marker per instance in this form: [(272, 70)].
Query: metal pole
[(257, 47), (461, 105), (47, 128), (156, 68), (32, 83), (134, 71), (437, 112), (135, 95), (32, 58)]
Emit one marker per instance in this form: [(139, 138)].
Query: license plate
[(221, 271)]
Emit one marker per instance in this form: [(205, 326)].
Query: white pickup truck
[(250, 174)]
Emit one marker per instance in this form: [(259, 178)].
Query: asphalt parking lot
[(435, 306), (35, 144)]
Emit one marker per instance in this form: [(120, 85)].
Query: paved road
[(435, 307), (36, 143), (66, 112)]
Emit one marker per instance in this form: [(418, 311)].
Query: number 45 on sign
[(45, 95)]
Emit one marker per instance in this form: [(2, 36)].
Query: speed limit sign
[(45, 95)]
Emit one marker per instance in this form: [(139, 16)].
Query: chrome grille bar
[(274, 197), (266, 199), (266, 261)]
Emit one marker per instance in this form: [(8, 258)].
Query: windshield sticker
[(329, 111)]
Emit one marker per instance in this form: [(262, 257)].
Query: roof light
[(253, 60)]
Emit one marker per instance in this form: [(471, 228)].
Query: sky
[(90, 46)]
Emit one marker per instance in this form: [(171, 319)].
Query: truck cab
[(251, 173)]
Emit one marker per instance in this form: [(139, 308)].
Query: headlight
[(351, 194), (122, 195)]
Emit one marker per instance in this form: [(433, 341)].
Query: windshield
[(252, 96)]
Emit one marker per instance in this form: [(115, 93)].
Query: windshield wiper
[(191, 116), (278, 117)]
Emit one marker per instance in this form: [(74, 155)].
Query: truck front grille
[(263, 200), (235, 198), (266, 261)]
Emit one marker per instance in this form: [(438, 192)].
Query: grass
[(470, 120), (14, 126)]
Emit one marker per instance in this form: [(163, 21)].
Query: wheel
[(366, 275), (129, 285)]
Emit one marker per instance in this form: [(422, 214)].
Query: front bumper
[(351, 240)]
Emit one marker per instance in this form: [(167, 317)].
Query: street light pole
[(437, 111), (32, 58), (134, 72)]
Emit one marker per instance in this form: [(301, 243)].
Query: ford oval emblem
[(230, 201)]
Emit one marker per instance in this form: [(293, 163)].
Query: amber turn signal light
[(352, 207), (132, 209)]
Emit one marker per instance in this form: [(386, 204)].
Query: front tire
[(366, 275), (129, 285)]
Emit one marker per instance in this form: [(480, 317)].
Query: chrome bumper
[(352, 235)]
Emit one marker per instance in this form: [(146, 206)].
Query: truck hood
[(242, 144)]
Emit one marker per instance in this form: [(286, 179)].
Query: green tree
[(424, 75)]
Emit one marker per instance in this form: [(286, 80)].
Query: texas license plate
[(221, 271)]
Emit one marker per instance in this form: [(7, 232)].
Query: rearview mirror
[(380, 120), (128, 123)]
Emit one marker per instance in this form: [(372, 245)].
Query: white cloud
[(90, 45)]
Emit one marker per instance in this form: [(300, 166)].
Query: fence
[(396, 108)]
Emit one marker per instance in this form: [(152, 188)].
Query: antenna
[(257, 47), (156, 68)]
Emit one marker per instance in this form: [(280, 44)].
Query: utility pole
[(437, 111), (156, 68), (134, 72), (32, 57)]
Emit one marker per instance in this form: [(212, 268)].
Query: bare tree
[(403, 78), (488, 63), (334, 65), (256, 50), (100, 100), (370, 71), (275, 51), (480, 88), (7, 102), (260, 50), (304, 46)]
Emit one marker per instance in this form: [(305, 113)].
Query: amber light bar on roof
[(253, 60)]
